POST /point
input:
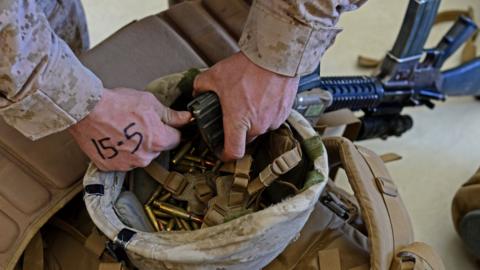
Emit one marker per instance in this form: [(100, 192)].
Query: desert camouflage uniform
[(45, 88), (67, 20)]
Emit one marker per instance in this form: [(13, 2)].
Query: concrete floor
[(440, 153)]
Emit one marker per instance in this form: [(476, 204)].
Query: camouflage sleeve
[(290, 36), (43, 87)]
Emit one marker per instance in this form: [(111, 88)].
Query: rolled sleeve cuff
[(65, 93), (37, 115), (283, 45)]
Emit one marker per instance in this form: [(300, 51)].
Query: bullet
[(161, 226), (161, 221), (152, 218), (217, 166), (154, 195), (199, 161), (160, 214), (195, 225), (165, 197), (176, 211), (204, 153), (184, 150), (191, 164), (193, 158), (209, 163), (178, 224), (185, 224), (170, 225)]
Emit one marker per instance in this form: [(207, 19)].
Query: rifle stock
[(454, 82)]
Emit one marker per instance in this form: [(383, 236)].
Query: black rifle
[(409, 75)]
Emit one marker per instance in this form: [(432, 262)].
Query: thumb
[(165, 138), (204, 82), (175, 118)]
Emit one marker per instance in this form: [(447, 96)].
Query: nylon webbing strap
[(241, 178), (216, 213), (203, 192), (174, 182), (232, 198), (279, 166), (421, 255), (399, 219)]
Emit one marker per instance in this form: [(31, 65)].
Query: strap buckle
[(175, 183), (332, 202)]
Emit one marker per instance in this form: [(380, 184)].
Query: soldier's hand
[(254, 100), (127, 129)]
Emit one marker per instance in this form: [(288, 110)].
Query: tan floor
[(440, 153)]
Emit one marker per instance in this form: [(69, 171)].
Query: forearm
[(44, 88), (289, 37)]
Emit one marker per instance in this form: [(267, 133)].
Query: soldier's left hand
[(254, 100)]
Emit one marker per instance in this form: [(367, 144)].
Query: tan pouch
[(370, 229)]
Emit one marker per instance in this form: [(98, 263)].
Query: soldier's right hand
[(128, 129)]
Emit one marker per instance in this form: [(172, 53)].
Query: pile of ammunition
[(166, 215), (164, 211), (198, 190), (185, 160)]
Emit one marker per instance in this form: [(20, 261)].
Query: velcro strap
[(329, 259), (216, 213), (240, 183), (241, 177), (237, 196), (279, 166), (157, 172), (236, 199), (242, 166), (175, 183), (203, 192)]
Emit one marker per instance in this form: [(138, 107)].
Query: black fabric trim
[(95, 189), (124, 236), (117, 247)]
